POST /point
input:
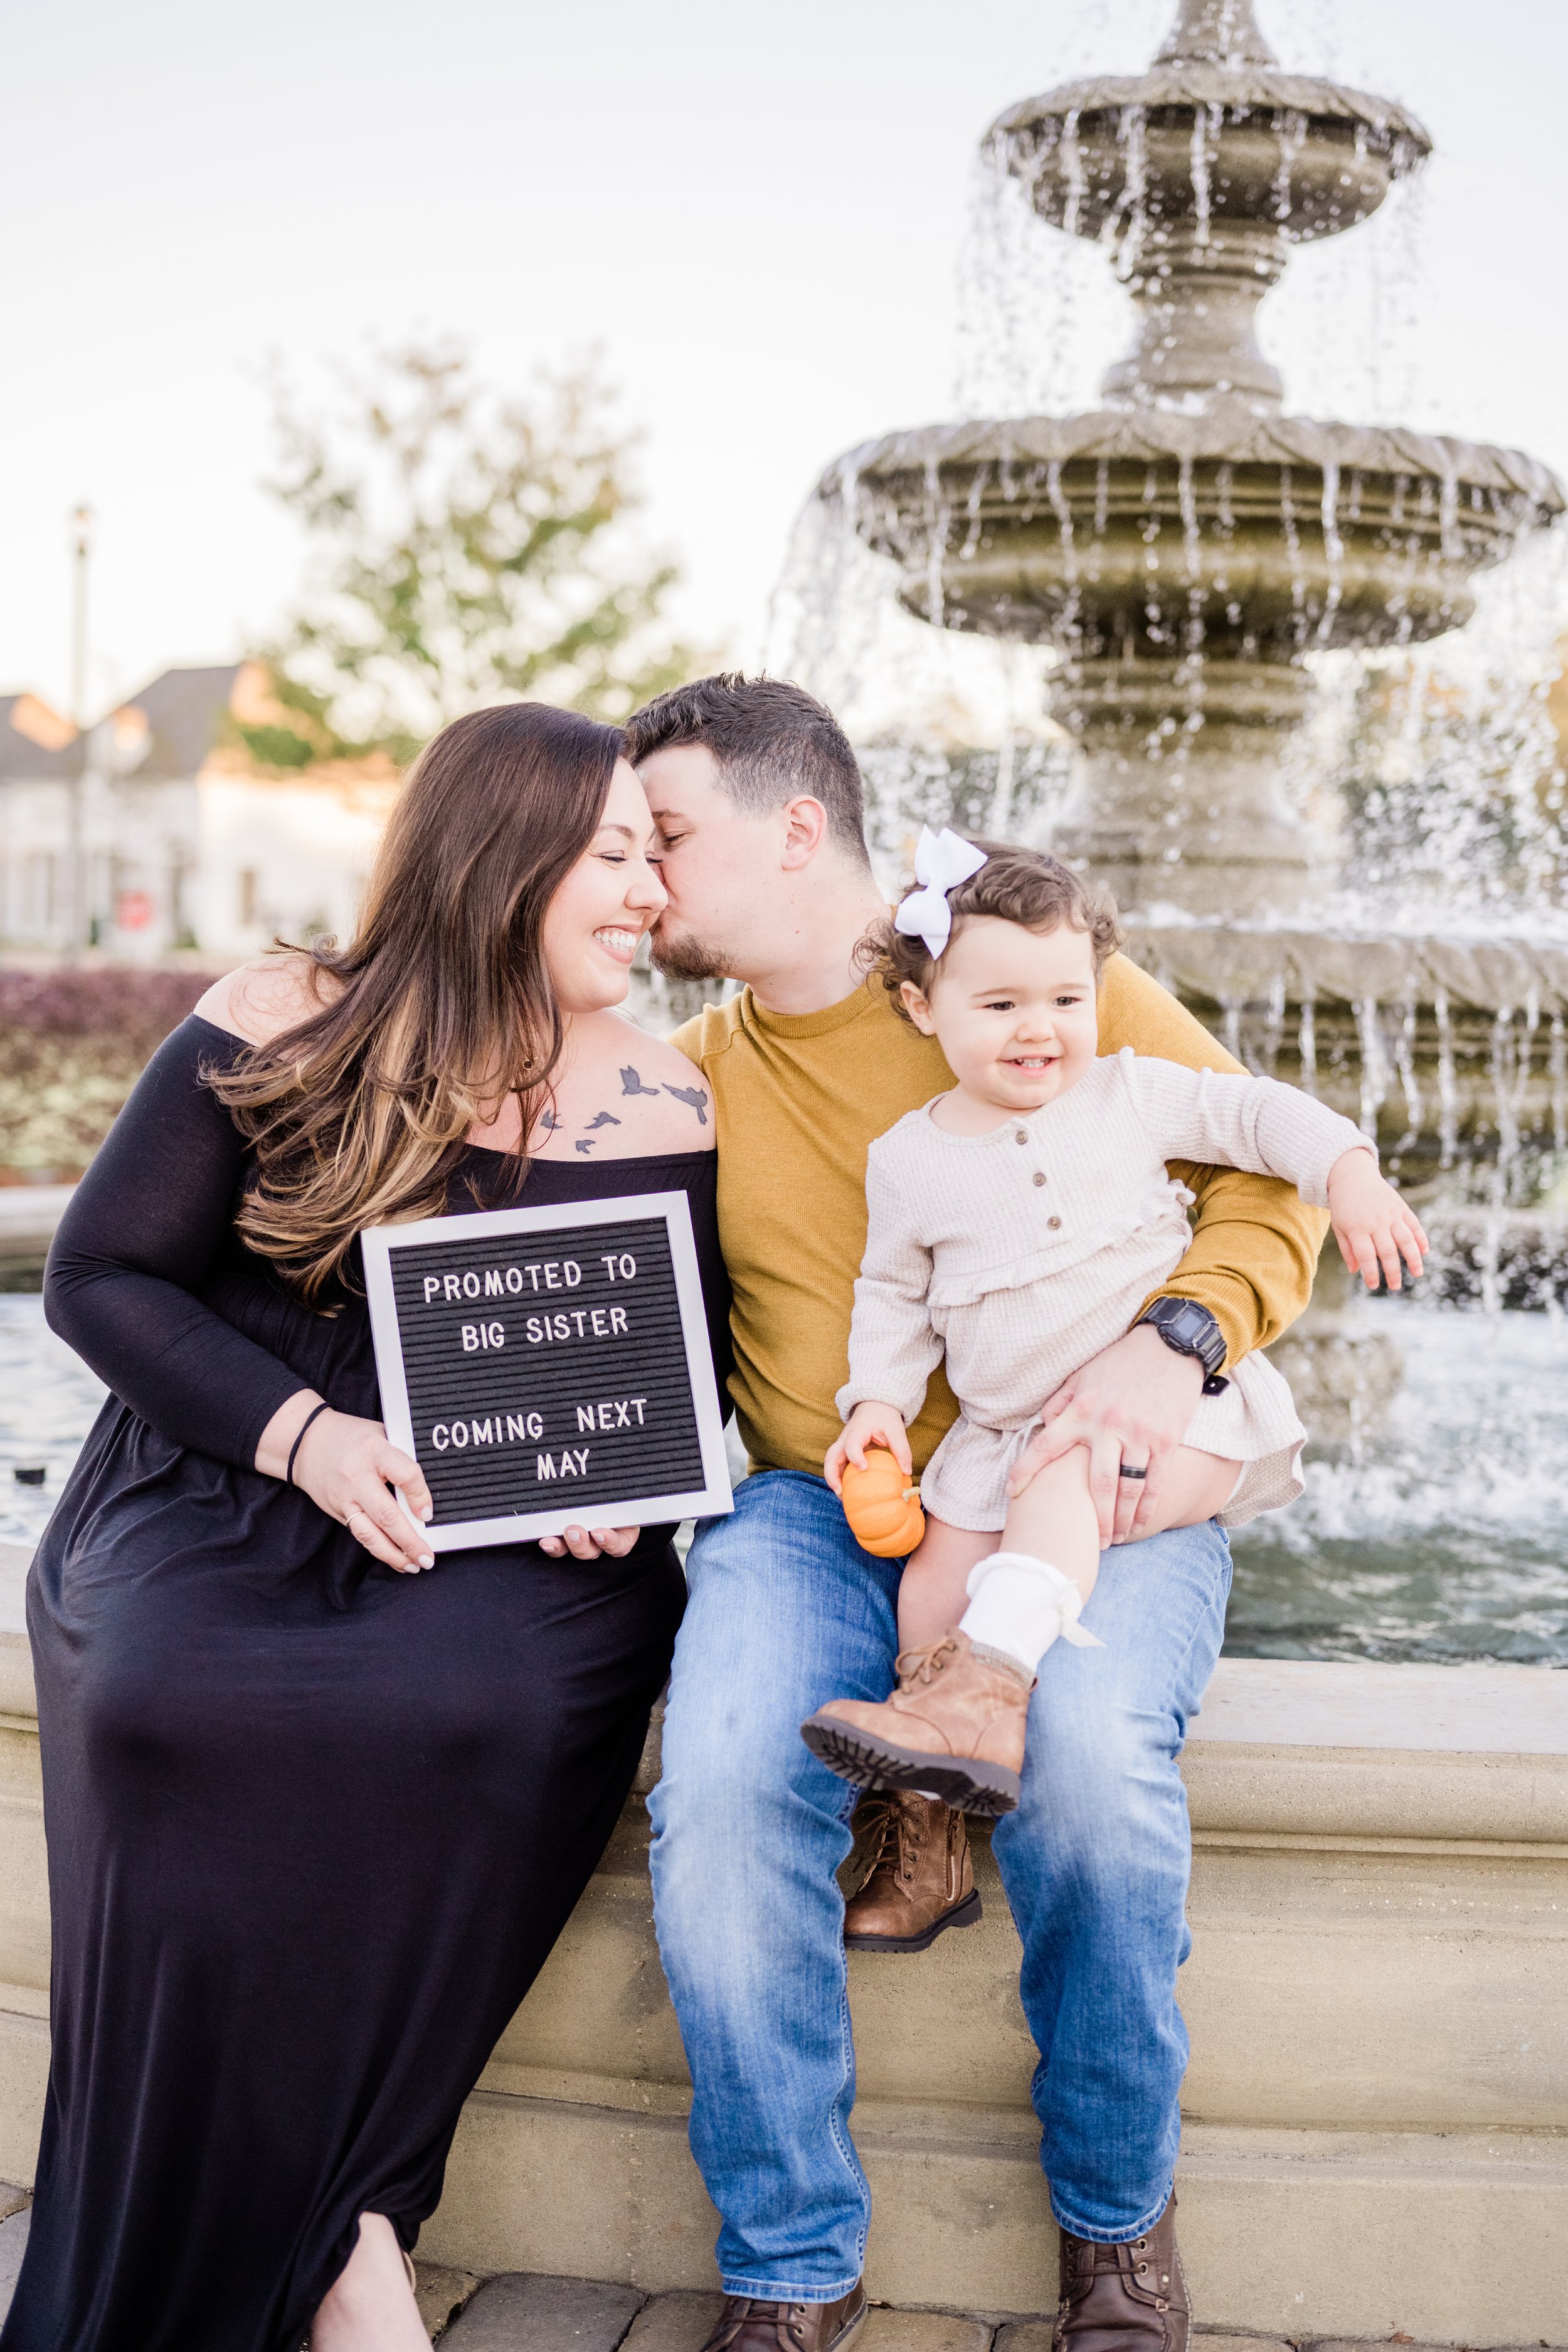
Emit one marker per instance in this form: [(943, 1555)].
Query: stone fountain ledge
[(1210, 82), (1250, 964), (1224, 432), (1377, 2103), (28, 1215), (524, 2311)]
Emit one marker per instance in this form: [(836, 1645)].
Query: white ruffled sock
[(1019, 1605)]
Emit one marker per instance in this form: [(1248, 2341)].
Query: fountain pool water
[(1438, 1537), (48, 1399)]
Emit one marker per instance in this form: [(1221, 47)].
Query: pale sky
[(756, 214)]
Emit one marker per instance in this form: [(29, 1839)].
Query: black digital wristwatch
[(1191, 1330)]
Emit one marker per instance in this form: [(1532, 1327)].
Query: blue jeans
[(786, 1611)]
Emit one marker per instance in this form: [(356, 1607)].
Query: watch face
[(1189, 1327)]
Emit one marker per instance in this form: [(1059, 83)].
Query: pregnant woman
[(315, 1818)]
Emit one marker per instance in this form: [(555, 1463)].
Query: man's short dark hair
[(770, 741)]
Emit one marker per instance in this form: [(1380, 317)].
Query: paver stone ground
[(679, 2322), (522, 2312), (921, 2331), (1034, 2336), (12, 2246), (441, 2293)]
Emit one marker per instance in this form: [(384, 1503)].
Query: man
[(757, 799)]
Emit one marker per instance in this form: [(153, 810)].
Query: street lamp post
[(76, 877)]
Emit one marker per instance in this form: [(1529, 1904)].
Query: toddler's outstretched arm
[(1223, 1116)]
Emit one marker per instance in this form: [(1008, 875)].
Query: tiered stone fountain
[(1185, 546)]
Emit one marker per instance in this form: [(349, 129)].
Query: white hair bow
[(942, 860)]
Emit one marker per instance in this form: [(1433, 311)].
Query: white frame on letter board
[(671, 1209)]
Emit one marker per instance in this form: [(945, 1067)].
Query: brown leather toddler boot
[(1131, 2297), (954, 1730), (920, 1882)]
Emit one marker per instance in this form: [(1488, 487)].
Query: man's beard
[(679, 956)]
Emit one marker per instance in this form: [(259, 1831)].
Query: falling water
[(1307, 1043), (1447, 1093), (936, 542), (1373, 1063), (1133, 214), (1405, 1063), (1290, 130), (1072, 164), (1333, 549), (1200, 190)]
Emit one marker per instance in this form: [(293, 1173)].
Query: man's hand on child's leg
[(1131, 1402)]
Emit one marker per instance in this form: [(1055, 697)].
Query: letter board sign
[(549, 1367)]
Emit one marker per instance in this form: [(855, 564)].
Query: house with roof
[(156, 829), (41, 763)]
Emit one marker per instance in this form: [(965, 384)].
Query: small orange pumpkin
[(882, 1508)]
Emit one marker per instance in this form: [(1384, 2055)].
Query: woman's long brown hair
[(442, 1006)]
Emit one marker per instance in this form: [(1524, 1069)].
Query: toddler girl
[(1018, 1224)]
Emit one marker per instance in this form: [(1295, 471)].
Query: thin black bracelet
[(314, 1415)]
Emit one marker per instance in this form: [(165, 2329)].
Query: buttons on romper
[(1020, 1135)]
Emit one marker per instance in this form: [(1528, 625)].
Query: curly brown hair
[(1019, 885)]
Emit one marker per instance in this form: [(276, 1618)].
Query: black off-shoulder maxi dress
[(313, 1826)]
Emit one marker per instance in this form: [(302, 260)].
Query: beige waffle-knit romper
[(1024, 1253)]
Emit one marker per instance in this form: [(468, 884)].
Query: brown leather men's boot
[(954, 1730), (1131, 2297), (747, 2325), (920, 1882)]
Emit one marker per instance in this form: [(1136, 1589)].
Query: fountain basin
[(1144, 533), (1182, 566), (1200, 175), (1452, 1052), (1300, 155)]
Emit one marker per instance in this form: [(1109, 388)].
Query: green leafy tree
[(467, 547)]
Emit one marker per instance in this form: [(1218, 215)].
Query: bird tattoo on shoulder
[(603, 1119), (633, 1082), (694, 1098)]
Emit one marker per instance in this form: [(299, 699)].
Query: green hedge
[(72, 1043)]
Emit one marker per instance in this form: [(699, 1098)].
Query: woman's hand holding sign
[(584, 1543), (348, 1467)]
